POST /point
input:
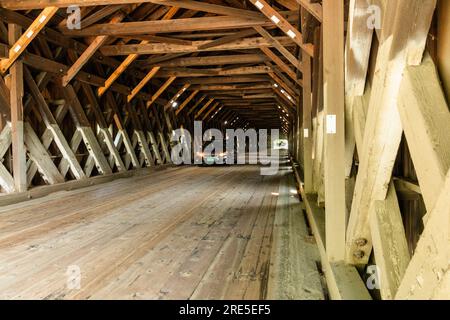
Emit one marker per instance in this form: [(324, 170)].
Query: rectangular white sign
[(305, 133), (331, 124)]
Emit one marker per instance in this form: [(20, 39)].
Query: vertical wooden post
[(334, 107), (297, 127), (307, 124), (18, 140)]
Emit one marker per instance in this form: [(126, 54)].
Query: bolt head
[(359, 254), (361, 242)]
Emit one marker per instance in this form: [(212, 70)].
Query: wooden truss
[(353, 141), (363, 108)]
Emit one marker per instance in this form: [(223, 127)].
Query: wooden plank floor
[(179, 233)]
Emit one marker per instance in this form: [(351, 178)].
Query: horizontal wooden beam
[(213, 72), (186, 4), (206, 87), (207, 61), (230, 79), (167, 26), (159, 48)]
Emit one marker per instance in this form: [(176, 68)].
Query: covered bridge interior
[(93, 204)]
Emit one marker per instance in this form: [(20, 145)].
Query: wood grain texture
[(213, 239)]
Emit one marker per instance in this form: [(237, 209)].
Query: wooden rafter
[(177, 95), (278, 20), (25, 39), (186, 101), (160, 91), (129, 60), (142, 83), (89, 52)]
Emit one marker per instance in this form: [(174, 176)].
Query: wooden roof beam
[(280, 63), (228, 39), (129, 60), (283, 24), (158, 48), (213, 72), (210, 110), (203, 97), (54, 37), (222, 80), (25, 39), (208, 7), (186, 101), (227, 87), (142, 83), (279, 82), (93, 47), (279, 46), (176, 96), (174, 26), (315, 9), (185, 4), (204, 107), (160, 91), (205, 61)]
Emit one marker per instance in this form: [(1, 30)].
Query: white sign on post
[(305, 133), (331, 124)]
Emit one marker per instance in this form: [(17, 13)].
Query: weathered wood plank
[(334, 109), (17, 117), (389, 243), (425, 118), (400, 41), (427, 274), (40, 156)]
